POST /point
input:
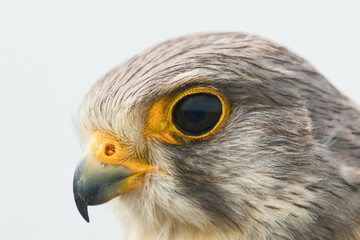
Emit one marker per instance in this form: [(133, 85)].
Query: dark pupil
[(197, 114)]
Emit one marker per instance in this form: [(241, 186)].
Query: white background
[(52, 52)]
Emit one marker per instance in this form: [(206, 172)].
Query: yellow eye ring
[(160, 123), (196, 91)]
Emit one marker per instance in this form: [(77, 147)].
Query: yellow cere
[(159, 122), (108, 149)]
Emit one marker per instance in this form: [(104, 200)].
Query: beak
[(96, 183), (101, 177)]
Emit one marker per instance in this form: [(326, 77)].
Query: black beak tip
[(80, 200), (82, 207), (84, 213)]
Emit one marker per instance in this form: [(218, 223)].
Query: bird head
[(210, 132)]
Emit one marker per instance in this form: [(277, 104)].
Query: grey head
[(285, 164)]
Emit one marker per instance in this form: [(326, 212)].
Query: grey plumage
[(284, 166)]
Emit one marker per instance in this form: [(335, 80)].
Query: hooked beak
[(96, 181)]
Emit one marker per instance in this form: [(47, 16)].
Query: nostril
[(109, 149)]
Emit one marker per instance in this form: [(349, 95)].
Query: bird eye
[(197, 114), (193, 114)]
